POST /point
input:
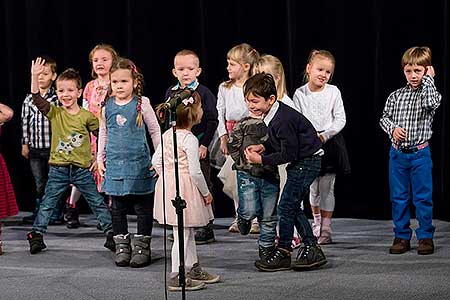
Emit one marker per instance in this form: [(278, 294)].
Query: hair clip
[(188, 101), (138, 107)]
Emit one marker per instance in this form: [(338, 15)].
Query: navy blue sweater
[(291, 137), (204, 131)]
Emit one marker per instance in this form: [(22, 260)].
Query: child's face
[(319, 72), (259, 106), (236, 70), (414, 74), (101, 62), (186, 69), (68, 93), (122, 84), (46, 78)]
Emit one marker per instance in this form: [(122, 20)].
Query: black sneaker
[(36, 242), (56, 222), (309, 257), (109, 243), (265, 253), (243, 225), (279, 260), (204, 235), (73, 224)]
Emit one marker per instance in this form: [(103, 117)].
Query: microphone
[(174, 101)]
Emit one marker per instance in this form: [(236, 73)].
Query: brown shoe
[(399, 246), (425, 247)]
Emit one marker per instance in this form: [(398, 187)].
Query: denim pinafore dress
[(128, 157)]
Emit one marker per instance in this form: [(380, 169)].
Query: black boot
[(123, 250), (109, 243), (243, 225), (279, 260), (205, 235), (36, 242), (72, 217), (265, 253), (140, 251), (309, 257)]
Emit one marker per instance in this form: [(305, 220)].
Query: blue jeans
[(300, 175), (410, 178), (39, 168), (59, 179), (258, 198)]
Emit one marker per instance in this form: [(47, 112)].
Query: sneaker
[(109, 243), (426, 246), (198, 274), (309, 257), (296, 242), (325, 237), (244, 226), (233, 226), (255, 227), (399, 246), (29, 219), (280, 260), (73, 224), (265, 252), (36, 242), (204, 235), (316, 228), (191, 285)]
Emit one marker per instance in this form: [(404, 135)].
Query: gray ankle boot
[(141, 252), (123, 250)]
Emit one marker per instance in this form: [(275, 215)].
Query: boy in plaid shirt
[(407, 119)]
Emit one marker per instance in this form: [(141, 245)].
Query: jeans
[(39, 168), (59, 179), (410, 178), (258, 197), (143, 206), (300, 175)]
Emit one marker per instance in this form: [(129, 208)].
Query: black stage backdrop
[(367, 38)]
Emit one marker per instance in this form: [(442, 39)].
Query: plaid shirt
[(413, 110), (36, 130)]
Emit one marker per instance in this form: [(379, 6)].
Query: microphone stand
[(179, 205)]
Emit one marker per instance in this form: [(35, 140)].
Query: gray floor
[(76, 266)]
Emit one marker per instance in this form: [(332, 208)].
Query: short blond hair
[(186, 52), (420, 56)]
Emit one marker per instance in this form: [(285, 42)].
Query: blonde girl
[(125, 162), (322, 104), (231, 108), (192, 187), (101, 58)]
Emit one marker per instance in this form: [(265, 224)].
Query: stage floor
[(76, 266)]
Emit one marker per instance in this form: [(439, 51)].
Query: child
[(192, 187), (70, 155), (321, 103), (293, 140), (407, 119), (8, 205), (258, 186), (36, 138), (124, 161), (186, 70), (231, 105), (102, 57), (272, 65)]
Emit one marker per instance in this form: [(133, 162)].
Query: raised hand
[(37, 66), (430, 71)]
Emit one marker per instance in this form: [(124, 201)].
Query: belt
[(409, 150)]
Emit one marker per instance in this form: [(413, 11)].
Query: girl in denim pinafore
[(126, 163)]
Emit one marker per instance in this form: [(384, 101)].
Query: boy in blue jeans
[(70, 154), (258, 185), (407, 118), (293, 140)]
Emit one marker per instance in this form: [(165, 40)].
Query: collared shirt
[(413, 110), (193, 86), (36, 130)]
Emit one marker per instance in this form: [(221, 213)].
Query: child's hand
[(25, 151), (223, 144), (37, 67), (202, 150), (208, 199), (93, 166), (256, 148), (152, 168), (101, 168), (399, 134), (321, 137), (253, 157), (430, 71)]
